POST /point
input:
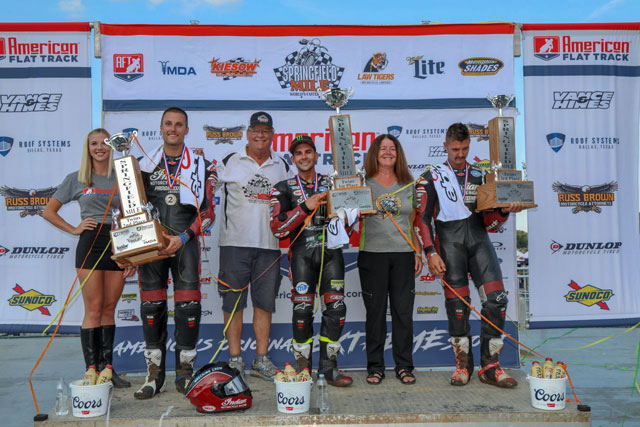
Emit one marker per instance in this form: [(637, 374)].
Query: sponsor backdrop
[(581, 90), (45, 114)]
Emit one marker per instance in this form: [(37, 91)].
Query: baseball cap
[(261, 118), (302, 139)]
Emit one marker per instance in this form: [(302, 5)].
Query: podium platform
[(430, 401)]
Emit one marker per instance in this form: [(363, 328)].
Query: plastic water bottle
[(62, 398), (323, 394)]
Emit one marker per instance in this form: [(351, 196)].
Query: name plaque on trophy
[(504, 184), (137, 236), (347, 187)]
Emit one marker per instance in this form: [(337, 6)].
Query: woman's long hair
[(86, 165), (401, 168)]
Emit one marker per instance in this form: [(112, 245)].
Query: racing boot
[(154, 382), (184, 368), (108, 333), (464, 360), (490, 372), (329, 365), (302, 355)]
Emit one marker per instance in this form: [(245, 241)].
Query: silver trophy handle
[(114, 216)]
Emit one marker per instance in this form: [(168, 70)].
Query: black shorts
[(84, 245)]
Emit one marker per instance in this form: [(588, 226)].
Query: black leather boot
[(90, 341), (108, 333)]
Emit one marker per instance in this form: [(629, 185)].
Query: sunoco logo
[(551, 47), (585, 198), (582, 100), (29, 103), (585, 248), (27, 202), (480, 66), (589, 295), (237, 67), (308, 69), (31, 300)]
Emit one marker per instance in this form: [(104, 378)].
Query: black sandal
[(403, 374), (375, 378)]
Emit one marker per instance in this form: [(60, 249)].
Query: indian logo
[(308, 69), (128, 66), (31, 300), (589, 295)]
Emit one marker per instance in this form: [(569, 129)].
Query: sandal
[(405, 374), (375, 378)]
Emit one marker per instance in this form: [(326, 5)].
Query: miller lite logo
[(546, 47), (128, 66)]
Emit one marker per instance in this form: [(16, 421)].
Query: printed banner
[(45, 115), (581, 98)]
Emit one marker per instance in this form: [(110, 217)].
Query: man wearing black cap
[(292, 201), (248, 250)]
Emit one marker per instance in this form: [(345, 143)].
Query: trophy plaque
[(347, 185), (504, 184), (137, 235)]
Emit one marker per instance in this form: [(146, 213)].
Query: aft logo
[(480, 66), (6, 143), (423, 68), (585, 198), (546, 47), (372, 73), (589, 295), (27, 202), (582, 100), (168, 70), (555, 141), (232, 68), (308, 69), (30, 103), (224, 135), (32, 300), (128, 66), (585, 248)]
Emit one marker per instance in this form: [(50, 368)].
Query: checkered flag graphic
[(323, 58), (238, 60)]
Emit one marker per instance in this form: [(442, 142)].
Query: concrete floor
[(602, 374)]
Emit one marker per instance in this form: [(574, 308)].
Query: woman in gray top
[(93, 186), (387, 263)]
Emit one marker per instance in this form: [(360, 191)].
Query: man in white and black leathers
[(248, 250), (178, 182), (292, 201), (447, 195)]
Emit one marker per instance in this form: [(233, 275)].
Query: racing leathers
[(465, 247), (310, 260), (182, 220)]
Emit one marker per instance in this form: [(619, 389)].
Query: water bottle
[(62, 399), (323, 394)]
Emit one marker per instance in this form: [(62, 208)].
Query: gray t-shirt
[(378, 232), (93, 200)]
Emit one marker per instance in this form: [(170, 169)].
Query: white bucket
[(90, 400), (547, 394), (293, 398)]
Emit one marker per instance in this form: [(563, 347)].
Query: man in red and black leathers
[(184, 224), (462, 247), (292, 201)]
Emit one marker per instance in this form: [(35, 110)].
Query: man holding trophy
[(447, 193), (177, 182)]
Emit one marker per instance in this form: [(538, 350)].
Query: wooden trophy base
[(139, 244)]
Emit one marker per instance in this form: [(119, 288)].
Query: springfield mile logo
[(31, 300), (589, 295)]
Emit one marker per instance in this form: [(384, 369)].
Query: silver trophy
[(336, 97), (500, 101), (121, 142)]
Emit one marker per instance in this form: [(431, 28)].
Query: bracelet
[(184, 237), (430, 254)]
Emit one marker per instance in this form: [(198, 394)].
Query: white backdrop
[(45, 114), (427, 78), (581, 90)]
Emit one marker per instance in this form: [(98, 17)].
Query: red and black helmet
[(217, 387)]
